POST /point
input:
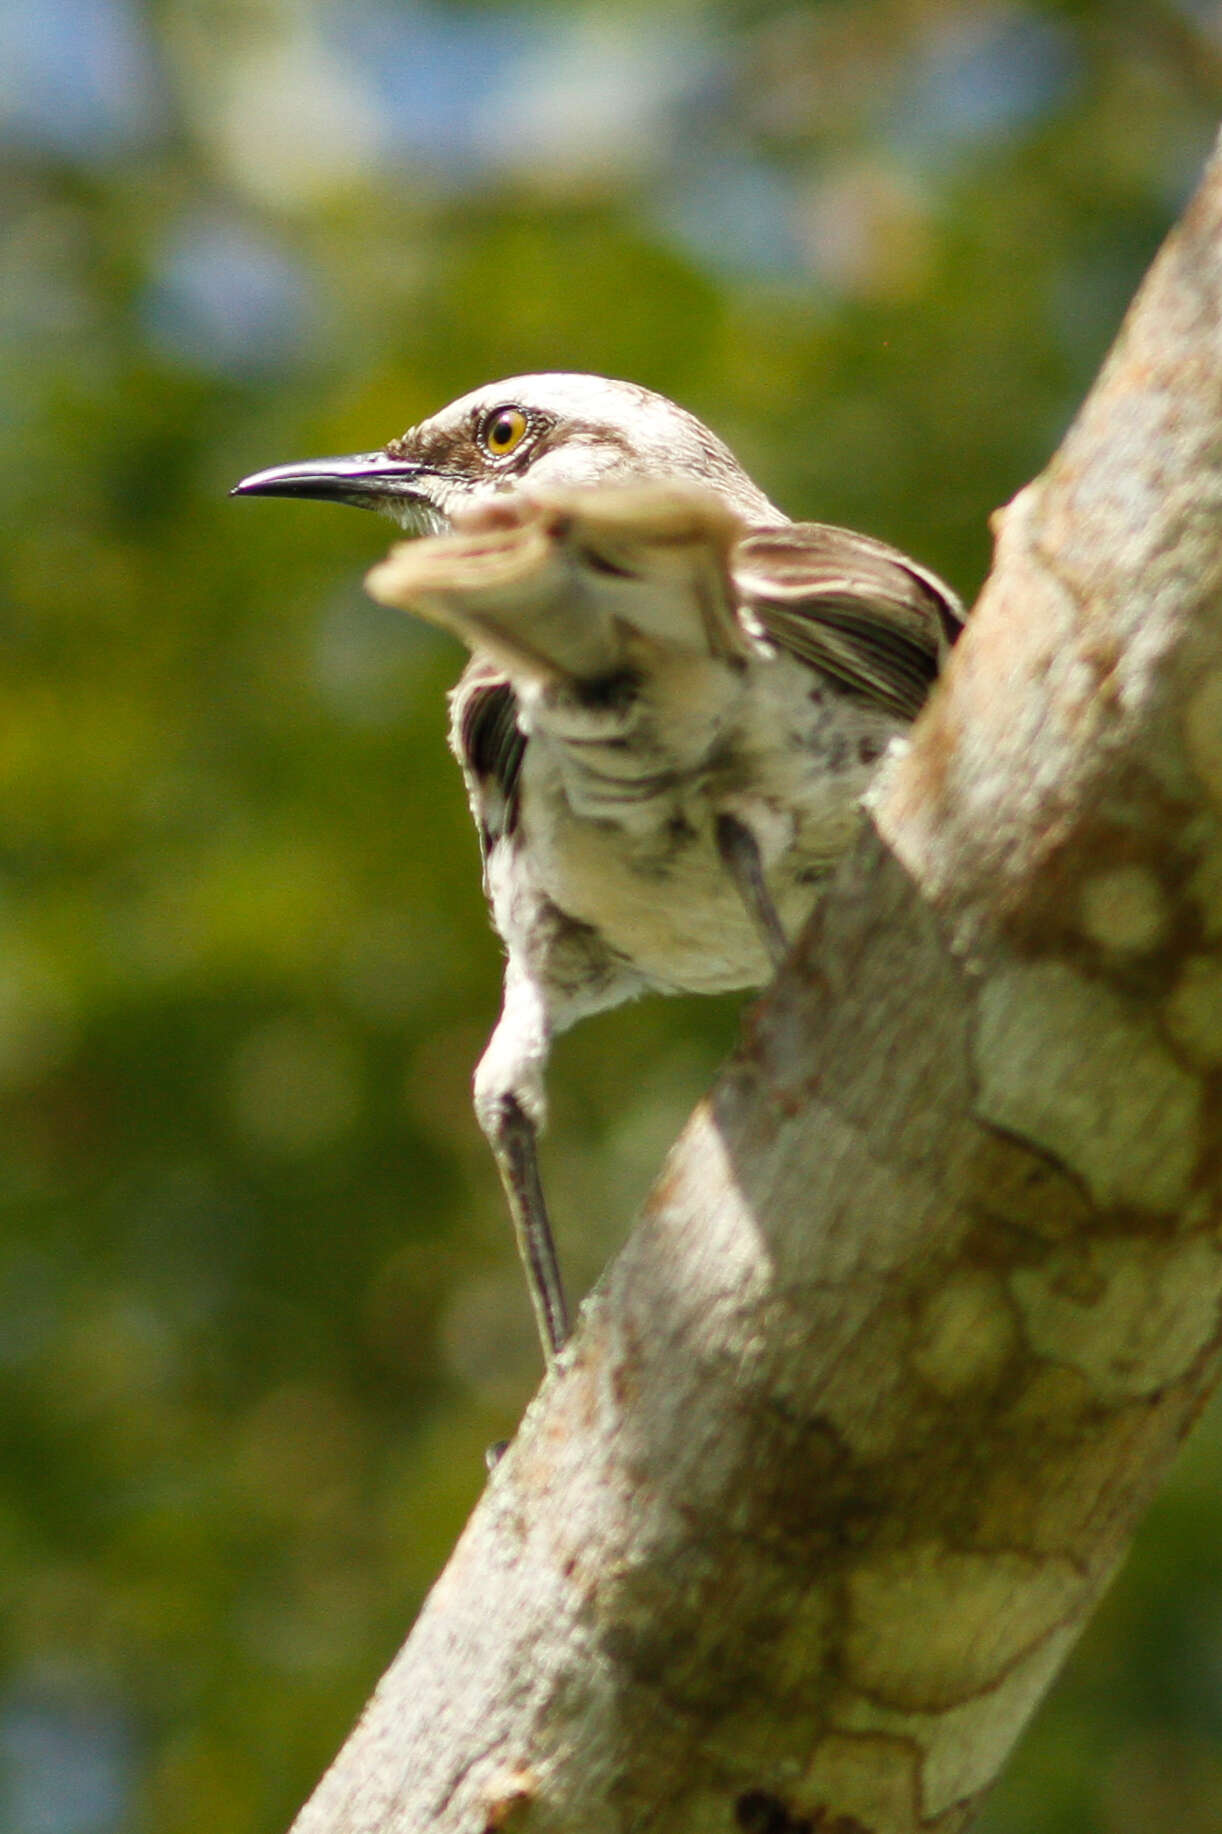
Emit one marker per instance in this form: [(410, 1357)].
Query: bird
[(675, 701)]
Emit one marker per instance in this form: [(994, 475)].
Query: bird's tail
[(563, 586)]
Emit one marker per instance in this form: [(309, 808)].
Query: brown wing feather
[(489, 745), (851, 607)]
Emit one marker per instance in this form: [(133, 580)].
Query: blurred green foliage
[(259, 1311)]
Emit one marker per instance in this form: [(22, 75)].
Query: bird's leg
[(513, 1142), (740, 855), (509, 1105)]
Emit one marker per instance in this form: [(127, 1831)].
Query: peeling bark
[(858, 1426)]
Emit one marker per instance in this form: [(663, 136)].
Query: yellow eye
[(503, 430)]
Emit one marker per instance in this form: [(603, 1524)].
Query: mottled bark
[(859, 1424)]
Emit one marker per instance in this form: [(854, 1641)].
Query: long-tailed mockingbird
[(675, 700)]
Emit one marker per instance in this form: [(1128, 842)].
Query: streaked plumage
[(675, 701)]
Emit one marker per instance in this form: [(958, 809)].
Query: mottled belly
[(620, 836), (666, 904)]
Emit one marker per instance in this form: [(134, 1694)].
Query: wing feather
[(851, 607), (489, 745)]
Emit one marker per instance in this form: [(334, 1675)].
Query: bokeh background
[(259, 1311)]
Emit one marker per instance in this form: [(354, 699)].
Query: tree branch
[(858, 1426)]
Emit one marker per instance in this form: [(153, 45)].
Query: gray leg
[(741, 858), (514, 1144), (509, 1105)]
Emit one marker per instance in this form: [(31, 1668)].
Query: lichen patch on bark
[(1067, 1063), (1130, 1314), (931, 1627)]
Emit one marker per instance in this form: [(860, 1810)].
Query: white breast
[(617, 815)]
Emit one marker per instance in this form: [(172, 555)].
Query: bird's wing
[(488, 744), (556, 589), (849, 606), (556, 586), (551, 589)]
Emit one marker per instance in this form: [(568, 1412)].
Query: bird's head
[(567, 432)]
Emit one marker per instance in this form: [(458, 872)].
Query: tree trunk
[(858, 1426)]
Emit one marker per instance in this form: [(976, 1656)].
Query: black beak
[(368, 480)]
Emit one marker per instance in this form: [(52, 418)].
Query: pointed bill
[(366, 480)]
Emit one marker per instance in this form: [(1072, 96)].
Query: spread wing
[(554, 586), (552, 589), (850, 607)]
